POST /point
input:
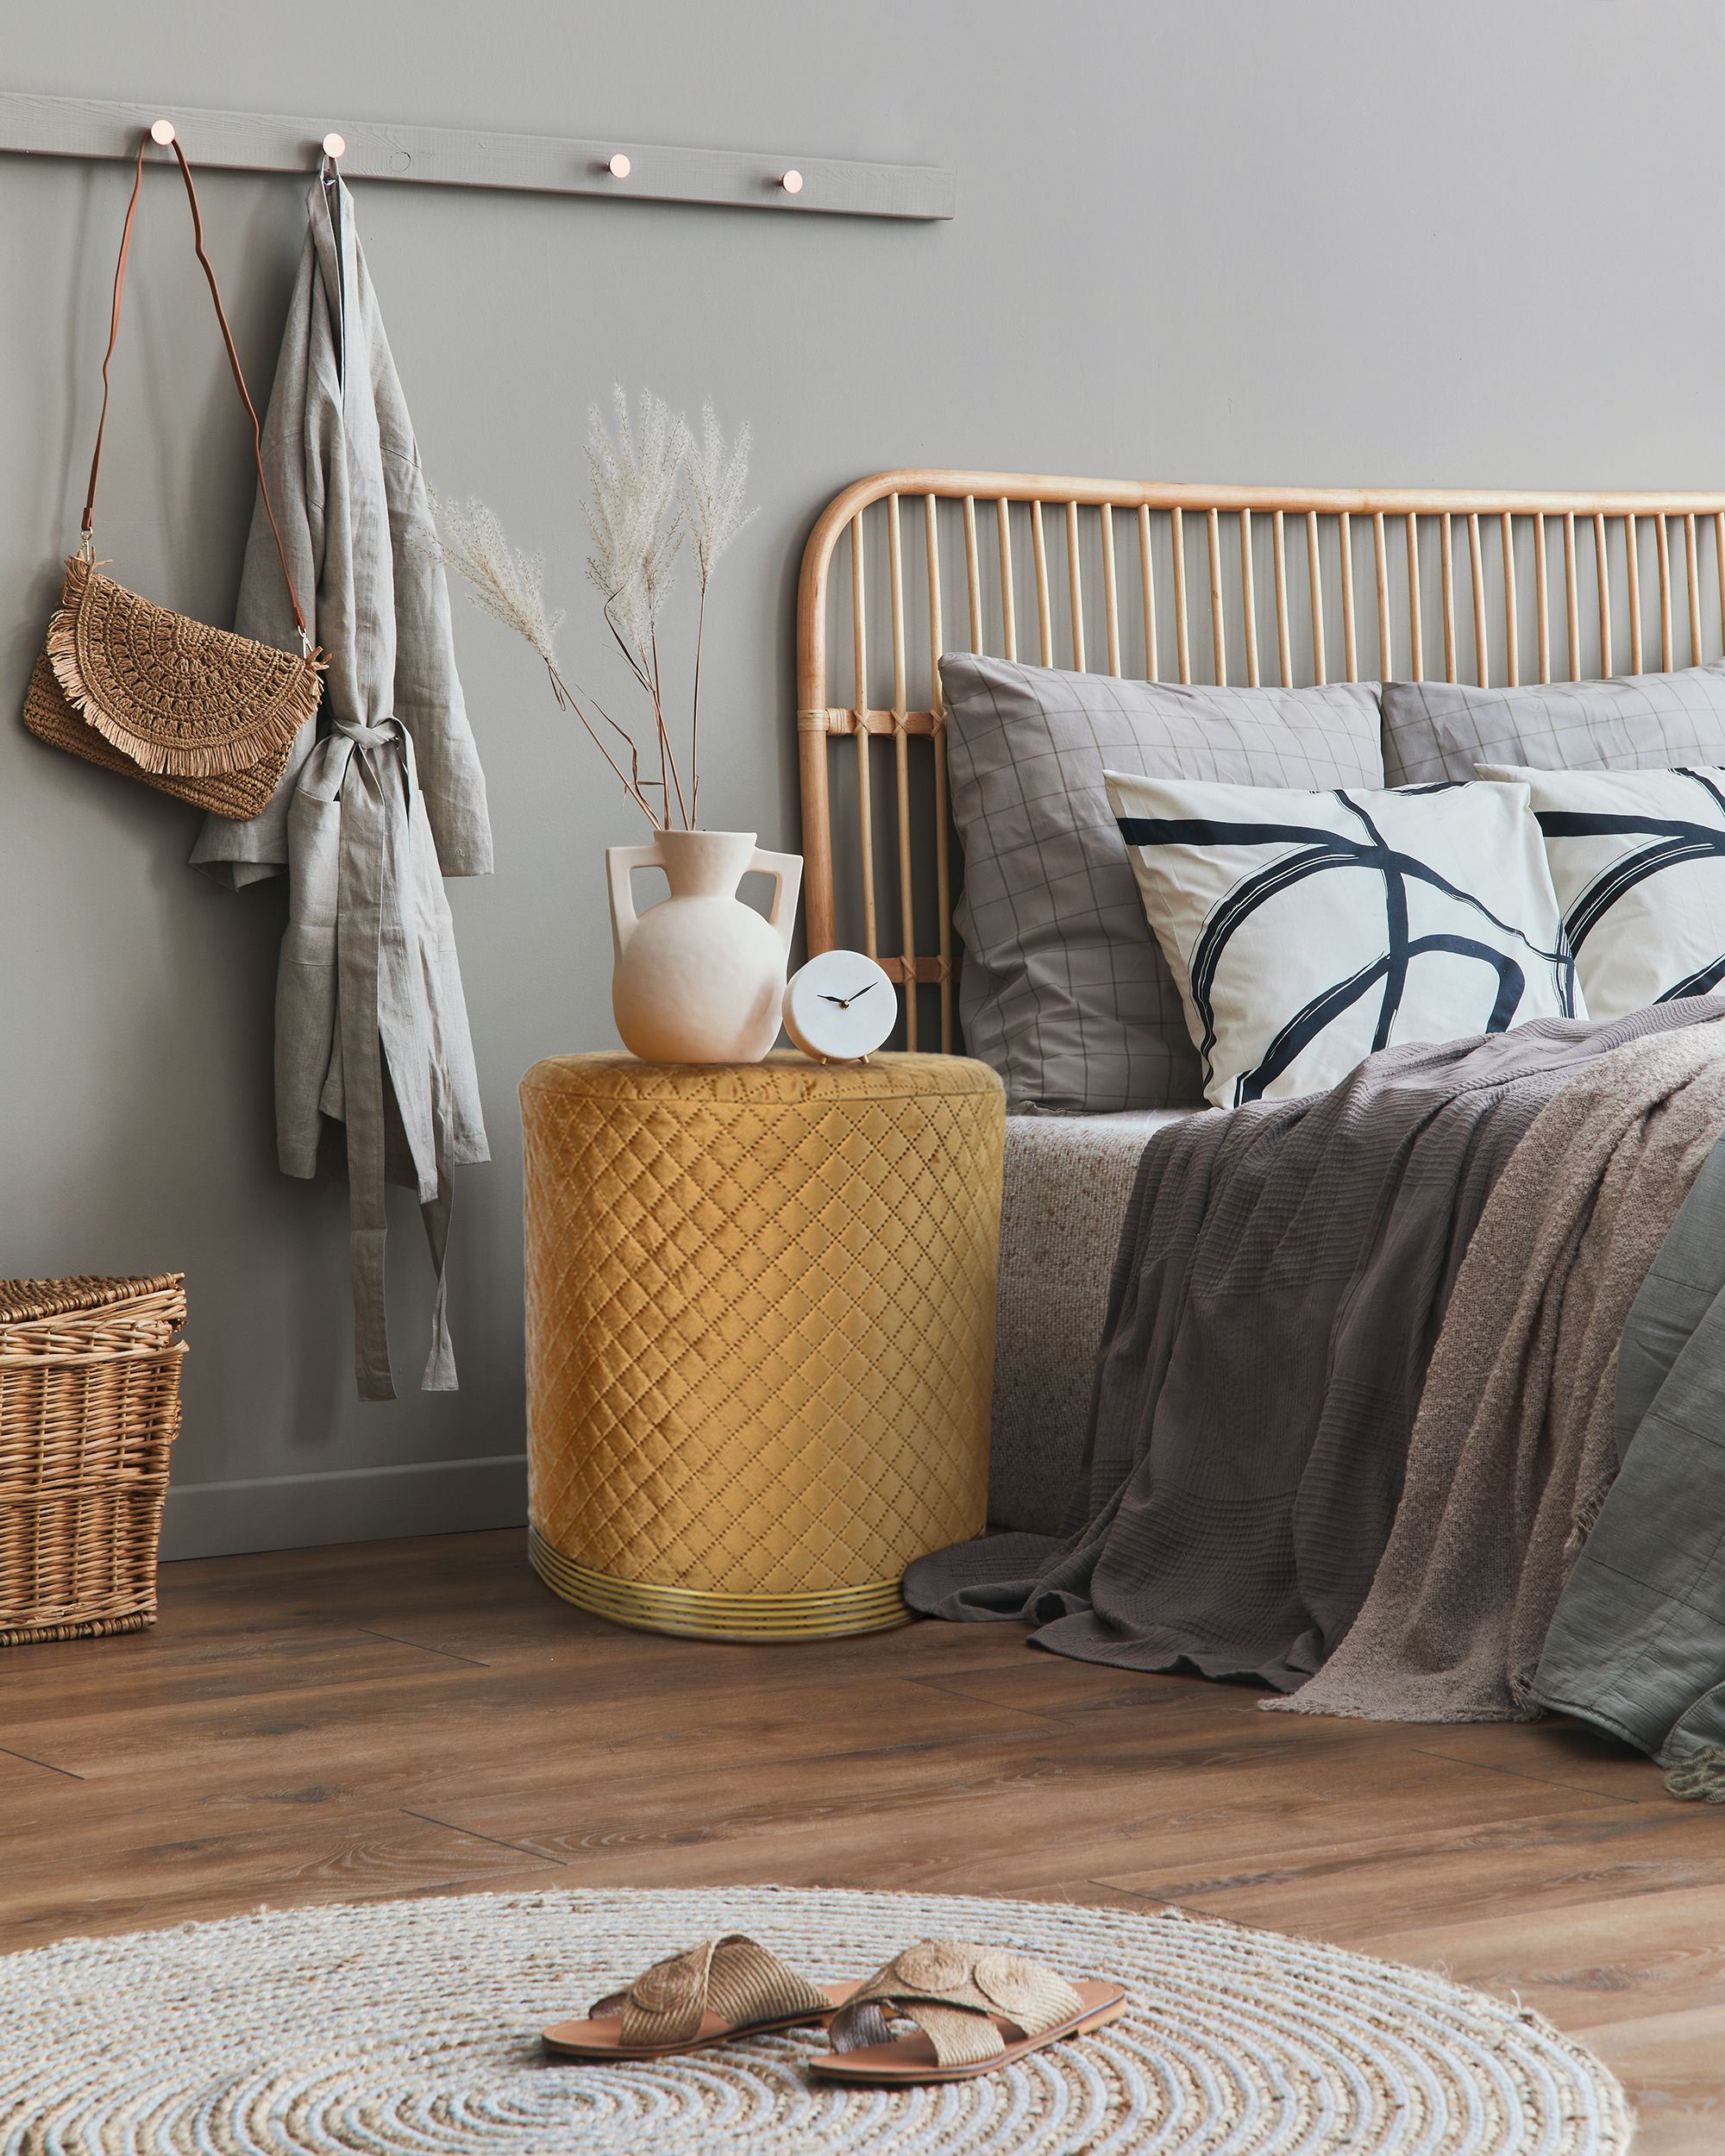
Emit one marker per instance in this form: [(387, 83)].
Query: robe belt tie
[(382, 735), (386, 1032)]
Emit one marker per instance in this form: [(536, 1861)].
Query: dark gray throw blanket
[(1280, 1280)]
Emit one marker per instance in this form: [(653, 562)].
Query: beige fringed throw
[(1514, 1447)]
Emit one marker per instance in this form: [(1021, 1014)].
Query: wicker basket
[(89, 1405)]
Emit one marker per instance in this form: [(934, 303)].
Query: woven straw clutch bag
[(197, 712), (194, 711)]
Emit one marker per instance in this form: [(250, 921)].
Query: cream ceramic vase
[(699, 977)]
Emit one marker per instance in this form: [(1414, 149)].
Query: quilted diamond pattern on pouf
[(760, 1315)]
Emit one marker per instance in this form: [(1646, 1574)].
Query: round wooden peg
[(792, 182), (619, 166), (161, 131), (335, 145)]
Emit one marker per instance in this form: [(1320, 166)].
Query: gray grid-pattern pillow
[(1064, 992), (1636, 722)]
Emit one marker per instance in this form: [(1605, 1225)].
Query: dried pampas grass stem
[(653, 488)]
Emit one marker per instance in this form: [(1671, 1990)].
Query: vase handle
[(787, 872), (620, 864)]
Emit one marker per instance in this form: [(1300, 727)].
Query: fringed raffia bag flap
[(172, 694)]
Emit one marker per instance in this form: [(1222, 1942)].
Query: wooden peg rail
[(456, 157)]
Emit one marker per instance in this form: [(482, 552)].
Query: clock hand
[(846, 1002)]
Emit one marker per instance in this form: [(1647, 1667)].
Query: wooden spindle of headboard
[(1350, 647), (1147, 579), (1662, 545), (1380, 556), (1543, 617), (1572, 601), (877, 844), (1447, 554), (1632, 562), (1692, 577), (1416, 642), (1476, 572), (1111, 595)]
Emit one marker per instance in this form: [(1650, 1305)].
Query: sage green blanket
[(1637, 1644)]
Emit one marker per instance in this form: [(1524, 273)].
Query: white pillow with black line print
[(1306, 930), (1638, 860)]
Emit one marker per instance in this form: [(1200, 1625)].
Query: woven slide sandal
[(975, 2007), (722, 1989)]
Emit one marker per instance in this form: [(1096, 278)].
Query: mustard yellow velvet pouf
[(760, 1334)]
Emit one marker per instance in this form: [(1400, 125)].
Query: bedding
[(1638, 861), (1514, 1447), (1635, 722), (1068, 1179), (1634, 1644), (1064, 990), (1280, 1284), (1307, 929)]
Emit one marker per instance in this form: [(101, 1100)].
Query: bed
[(1158, 581), (1451, 1471)]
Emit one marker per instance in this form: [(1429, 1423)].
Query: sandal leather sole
[(912, 2057), (598, 2040)]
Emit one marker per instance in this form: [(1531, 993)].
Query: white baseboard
[(361, 1504)]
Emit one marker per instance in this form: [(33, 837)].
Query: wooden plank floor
[(422, 1718)]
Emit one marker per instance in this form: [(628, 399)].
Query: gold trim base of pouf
[(700, 1614)]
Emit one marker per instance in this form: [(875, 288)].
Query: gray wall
[(1315, 241)]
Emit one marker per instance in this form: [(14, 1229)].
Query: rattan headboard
[(1550, 586)]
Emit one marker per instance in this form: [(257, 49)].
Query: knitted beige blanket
[(1513, 1447)]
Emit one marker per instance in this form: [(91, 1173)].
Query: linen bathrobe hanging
[(383, 796)]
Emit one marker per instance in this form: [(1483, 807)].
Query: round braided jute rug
[(400, 2028)]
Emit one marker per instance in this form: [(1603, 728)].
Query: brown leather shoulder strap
[(233, 361)]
